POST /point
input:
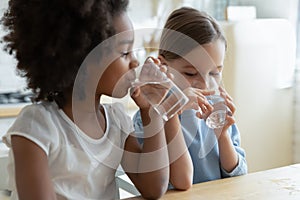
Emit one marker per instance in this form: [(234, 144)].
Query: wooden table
[(11, 110), (275, 184)]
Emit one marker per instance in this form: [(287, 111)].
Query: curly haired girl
[(66, 145)]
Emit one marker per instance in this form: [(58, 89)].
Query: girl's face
[(116, 79), (199, 64)]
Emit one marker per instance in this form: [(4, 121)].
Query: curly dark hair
[(50, 39)]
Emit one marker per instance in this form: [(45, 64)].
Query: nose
[(198, 82), (134, 63)]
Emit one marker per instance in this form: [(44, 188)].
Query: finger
[(222, 89), (203, 103), (163, 68), (202, 108), (204, 111), (229, 97), (229, 121), (199, 115), (204, 92), (135, 92), (230, 106), (202, 115), (225, 95), (154, 60), (149, 59), (191, 91), (194, 105), (228, 102), (170, 75)]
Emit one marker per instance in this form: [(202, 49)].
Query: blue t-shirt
[(203, 147)]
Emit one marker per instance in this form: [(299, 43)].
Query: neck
[(87, 106), (87, 115)]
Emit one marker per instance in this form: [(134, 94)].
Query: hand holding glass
[(160, 91), (217, 117)]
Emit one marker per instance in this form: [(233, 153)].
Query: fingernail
[(149, 59)]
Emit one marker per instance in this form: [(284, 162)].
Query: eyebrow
[(122, 42), (189, 66), (192, 67)]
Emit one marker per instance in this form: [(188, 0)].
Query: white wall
[(257, 51), (274, 8), (9, 81), (287, 9)]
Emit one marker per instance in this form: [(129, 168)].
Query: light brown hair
[(185, 29)]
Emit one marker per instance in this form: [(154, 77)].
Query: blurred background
[(261, 72)]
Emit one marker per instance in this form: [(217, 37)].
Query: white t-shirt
[(80, 167)]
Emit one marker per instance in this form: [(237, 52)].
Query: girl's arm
[(228, 154), (181, 167), (31, 170), (148, 166)]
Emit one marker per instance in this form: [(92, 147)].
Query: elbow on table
[(155, 191), (183, 184)]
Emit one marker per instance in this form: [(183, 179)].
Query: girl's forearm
[(153, 166), (181, 167), (228, 155)]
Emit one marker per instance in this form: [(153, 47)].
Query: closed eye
[(190, 74), (125, 54), (215, 74)]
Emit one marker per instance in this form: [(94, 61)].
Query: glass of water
[(160, 91), (217, 118)]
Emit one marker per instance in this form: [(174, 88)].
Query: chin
[(120, 92)]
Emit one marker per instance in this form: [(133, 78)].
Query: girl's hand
[(138, 98), (230, 120), (149, 91), (198, 101)]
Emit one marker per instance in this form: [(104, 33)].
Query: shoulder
[(42, 114), (38, 123), (37, 109)]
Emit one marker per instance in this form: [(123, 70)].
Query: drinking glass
[(217, 118), (160, 91)]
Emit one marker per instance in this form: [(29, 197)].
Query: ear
[(162, 60)]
